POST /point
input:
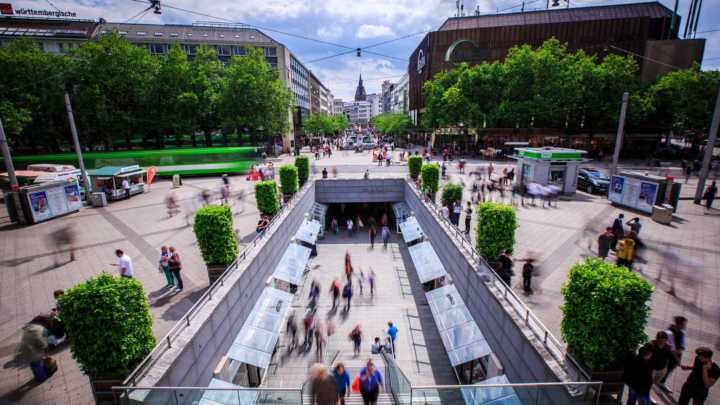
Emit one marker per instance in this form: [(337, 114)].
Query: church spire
[(360, 94)]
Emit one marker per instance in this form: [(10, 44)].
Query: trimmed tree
[(303, 168), (605, 312), (496, 229), (215, 234), (451, 193), (414, 165), (108, 319), (288, 179), (430, 177), (266, 197)]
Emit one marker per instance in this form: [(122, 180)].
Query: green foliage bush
[(288, 179), (414, 165), (451, 193), (430, 177), (215, 234), (605, 312), (303, 168), (109, 324), (496, 229), (266, 197)]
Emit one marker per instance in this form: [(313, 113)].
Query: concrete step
[(355, 399)]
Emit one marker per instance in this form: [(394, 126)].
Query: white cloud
[(366, 31), (330, 32)]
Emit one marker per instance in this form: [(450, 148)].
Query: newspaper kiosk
[(308, 235), (288, 273), (109, 180), (549, 166), (428, 267)]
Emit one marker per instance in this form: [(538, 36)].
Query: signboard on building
[(7, 9)]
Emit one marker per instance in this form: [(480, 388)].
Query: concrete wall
[(195, 353), (359, 190), (520, 359)]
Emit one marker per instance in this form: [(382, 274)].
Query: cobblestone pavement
[(560, 237)]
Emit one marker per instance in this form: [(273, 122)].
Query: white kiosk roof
[(217, 397), (401, 211), (460, 334), (292, 264), (258, 336), (308, 231), (411, 230), (426, 261), (491, 395)]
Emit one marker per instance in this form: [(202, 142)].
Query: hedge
[(266, 197), (288, 179), (109, 325), (451, 193), (414, 165), (430, 177), (496, 229), (303, 168), (215, 234), (605, 311)]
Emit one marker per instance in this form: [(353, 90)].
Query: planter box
[(103, 392), (612, 383), (215, 271)]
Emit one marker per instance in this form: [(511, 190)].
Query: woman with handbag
[(175, 265)]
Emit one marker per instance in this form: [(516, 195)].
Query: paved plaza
[(558, 237)]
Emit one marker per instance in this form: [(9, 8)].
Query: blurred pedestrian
[(371, 281), (124, 264), (322, 386), (626, 252), (676, 340), (605, 240), (335, 293), (334, 225), (527, 274), (385, 233), (291, 330), (637, 374), (468, 218), (372, 233), (456, 211), (349, 224), (63, 239), (342, 383), (171, 204), (371, 381), (704, 373), (347, 294), (709, 195), (334, 171), (319, 340), (506, 267), (309, 326), (618, 231), (355, 337), (661, 355), (392, 331), (324, 173)]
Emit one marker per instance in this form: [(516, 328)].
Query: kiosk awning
[(258, 336), (426, 261), (492, 395), (401, 211), (292, 264), (411, 230), (460, 335), (308, 231), (217, 397)]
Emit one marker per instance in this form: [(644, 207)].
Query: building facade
[(387, 89), (338, 106), (398, 97), (360, 94), (640, 28), (376, 102), (52, 35), (314, 94), (358, 112)]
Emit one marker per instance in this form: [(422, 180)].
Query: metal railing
[(167, 341), (549, 341), (238, 395)]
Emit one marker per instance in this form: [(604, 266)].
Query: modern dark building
[(642, 29)]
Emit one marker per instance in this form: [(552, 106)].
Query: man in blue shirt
[(370, 382), (342, 382), (392, 332)]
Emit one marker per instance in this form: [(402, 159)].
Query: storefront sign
[(7, 9), (420, 61)]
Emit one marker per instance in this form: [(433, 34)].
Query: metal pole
[(673, 21), (76, 142), (619, 136), (10, 168), (712, 138)]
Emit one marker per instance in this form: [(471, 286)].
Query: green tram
[(167, 161)]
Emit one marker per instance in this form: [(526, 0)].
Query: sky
[(343, 25)]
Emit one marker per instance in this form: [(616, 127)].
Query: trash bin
[(662, 213), (98, 199), (177, 182)]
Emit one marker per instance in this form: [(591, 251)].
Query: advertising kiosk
[(44, 201), (643, 191), (549, 166)]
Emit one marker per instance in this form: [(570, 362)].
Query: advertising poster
[(617, 186), (57, 201), (39, 206), (74, 201), (648, 194)]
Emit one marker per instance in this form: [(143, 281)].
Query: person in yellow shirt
[(626, 251)]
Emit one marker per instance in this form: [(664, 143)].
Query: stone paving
[(559, 236)]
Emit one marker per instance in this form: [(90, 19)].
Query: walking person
[(618, 231), (126, 187), (175, 266), (626, 252), (319, 340), (385, 233), (392, 331), (703, 375), (335, 292), (605, 241), (506, 267), (371, 281), (342, 383), (371, 381), (372, 233), (457, 210), (661, 355), (468, 218), (347, 295), (291, 330), (355, 337), (164, 266), (527, 274), (322, 386), (709, 195), (124, 264), (349, 227), (676, 340), (638, 376), (309, 326)]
